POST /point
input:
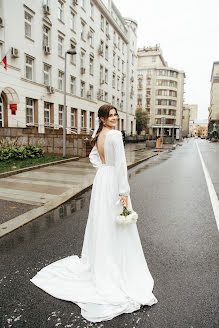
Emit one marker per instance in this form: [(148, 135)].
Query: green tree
[(141, 120)]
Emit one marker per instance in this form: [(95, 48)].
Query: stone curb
[(22, 219), (30, 168)]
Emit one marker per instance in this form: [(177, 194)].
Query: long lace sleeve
[(95, 158), (120, 164)]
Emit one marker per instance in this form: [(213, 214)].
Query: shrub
[(20, 152)]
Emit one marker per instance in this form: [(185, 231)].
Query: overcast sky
[(188, 34)]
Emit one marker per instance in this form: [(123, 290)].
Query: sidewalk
[(28, 195)]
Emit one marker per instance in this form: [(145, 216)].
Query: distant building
[(160, 92), (35, 35), (199, 128), (186, 120), (213, 110)]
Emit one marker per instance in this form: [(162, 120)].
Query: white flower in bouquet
[(127, 216)]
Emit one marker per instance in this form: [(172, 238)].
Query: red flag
[(4, 60)]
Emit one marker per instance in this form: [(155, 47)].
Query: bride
[(111, 277)]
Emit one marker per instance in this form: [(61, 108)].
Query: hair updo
[(103, 112)]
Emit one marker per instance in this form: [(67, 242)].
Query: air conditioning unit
[(46, 49), (75, 2), (83, 70), (46, 10), (1, 22), (100, 50), (101, 81), (50, 89), (89, 35), (14, 52)]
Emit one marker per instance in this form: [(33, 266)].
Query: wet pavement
[(179, 238)]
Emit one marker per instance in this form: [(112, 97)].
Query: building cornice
[(107, 14)]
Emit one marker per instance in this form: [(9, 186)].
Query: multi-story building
[(35, 35), (186, 120), (213, 115), (160, 92)]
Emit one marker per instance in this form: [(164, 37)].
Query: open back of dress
[(112, 276)]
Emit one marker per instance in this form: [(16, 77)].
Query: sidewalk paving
[(28, 195)]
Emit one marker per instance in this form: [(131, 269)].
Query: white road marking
[(211, 190)]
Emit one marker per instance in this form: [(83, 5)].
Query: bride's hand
[(124, 201)]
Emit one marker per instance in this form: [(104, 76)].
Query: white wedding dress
[(111, 277)]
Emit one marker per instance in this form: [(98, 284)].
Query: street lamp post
[(70, 52)]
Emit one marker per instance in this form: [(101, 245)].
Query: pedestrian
[(112, 276)]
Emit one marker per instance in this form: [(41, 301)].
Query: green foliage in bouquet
[(125, 211)]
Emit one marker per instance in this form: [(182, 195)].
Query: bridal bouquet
[(126, 217)]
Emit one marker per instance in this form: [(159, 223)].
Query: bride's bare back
[(100, 146)]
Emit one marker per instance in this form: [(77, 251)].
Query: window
[(121, 104), (107, 28), (118, 83), (83, 118), (105, 96), (123, 46), (113, 101), (28, 24), (102, 22), (73, 85), (82, 59), (114, 80), (82, 89), (46, 33), (83, 4), (73, 117), (46, 114), (122, 66), (60, 10), (114, 59), (47, 74), (91, 37), (60, 45), (106, 52), (61, 109), (29, 111), (72, 21), (29, 68), (119, 42), (118, 63), (91, 91), (91, 66), (91, 120), (114, 37), (101, 48), (60, 80), (82, 31), (101, 74), (73, 57), (106, 75), (91, 10), (117, 103)]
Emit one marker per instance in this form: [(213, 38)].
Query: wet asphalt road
[(178, 233)]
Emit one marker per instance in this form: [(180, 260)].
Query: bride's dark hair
[(103, 112)]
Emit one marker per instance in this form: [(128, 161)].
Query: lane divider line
[(211, 190)]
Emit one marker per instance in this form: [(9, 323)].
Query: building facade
[(213, 110), (35, 36), (186, 120), (160, 91)]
